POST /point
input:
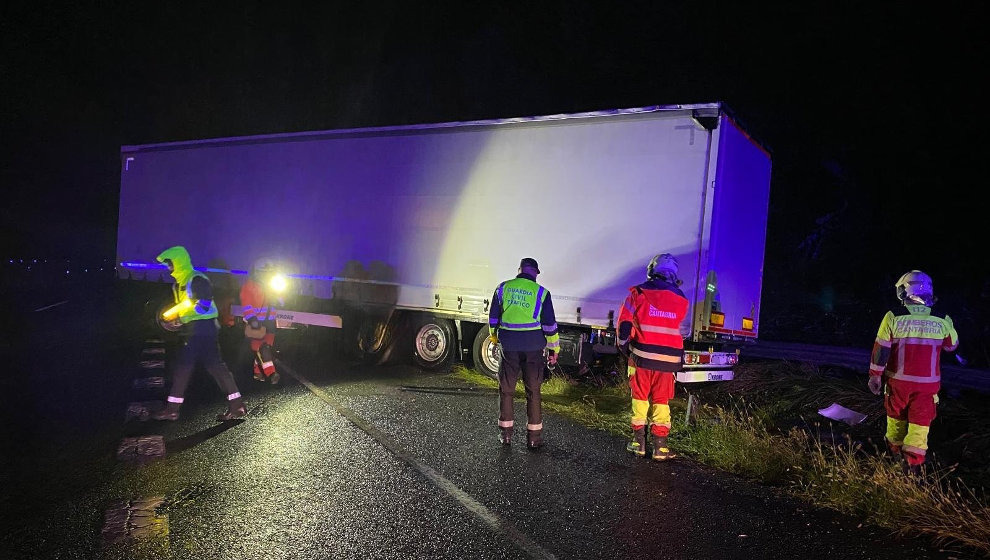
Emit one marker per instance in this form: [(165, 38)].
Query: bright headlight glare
[(278, 283)]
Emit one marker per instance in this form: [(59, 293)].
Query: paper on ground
[(842, 414)]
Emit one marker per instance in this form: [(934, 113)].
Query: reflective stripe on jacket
[(199, 291), (253, 300), (521, 305), (909, 345), (650, 321)]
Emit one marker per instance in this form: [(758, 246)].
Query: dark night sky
[(870, 110)]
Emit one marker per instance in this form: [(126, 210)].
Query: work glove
[(493, 337), (876, 384)]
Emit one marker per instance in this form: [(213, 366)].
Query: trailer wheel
[(433, 342), (160, 324), (487, 355)]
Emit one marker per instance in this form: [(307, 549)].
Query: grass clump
[(755, 426), (739, 440)]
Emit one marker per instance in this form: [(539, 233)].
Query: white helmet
[(662, 266), (915, 287), (264, 264)]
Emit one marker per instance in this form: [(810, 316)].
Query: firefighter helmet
[(662, 266), (915, 287)]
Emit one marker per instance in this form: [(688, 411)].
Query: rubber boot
[(505, 436), (534, 439), (638, 444), (170, 412), (235, 410), (274, 378), (660, 450)]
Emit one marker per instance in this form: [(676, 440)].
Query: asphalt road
[(343, 461)]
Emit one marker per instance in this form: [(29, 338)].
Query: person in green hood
[(197, 312)]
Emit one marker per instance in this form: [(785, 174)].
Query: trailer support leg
[(687, 413)]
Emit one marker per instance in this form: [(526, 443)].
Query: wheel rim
[(431, 343), (167, 326), (491, 355)]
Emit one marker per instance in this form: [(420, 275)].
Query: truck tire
[(487, 355), (161, 325), (433, 342)]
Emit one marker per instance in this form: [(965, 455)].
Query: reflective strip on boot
[(660, 450), (638, 443)]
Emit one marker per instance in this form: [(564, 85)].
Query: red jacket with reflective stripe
[(254, 301), (650, 321)]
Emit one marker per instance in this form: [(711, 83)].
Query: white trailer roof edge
[(412, 127)]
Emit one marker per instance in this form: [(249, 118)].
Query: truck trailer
[(415, 226)]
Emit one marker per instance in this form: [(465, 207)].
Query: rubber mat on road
[(132, 521), (153, 364), (141, 449), (149, 383), (141, 410)]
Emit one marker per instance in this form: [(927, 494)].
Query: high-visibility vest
[(521, 299), (201, 308), (909, 345), (522, 304)]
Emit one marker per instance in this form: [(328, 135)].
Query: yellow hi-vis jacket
[(521, 304)]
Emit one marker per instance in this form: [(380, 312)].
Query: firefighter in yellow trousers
[(649, 333), (907, 353)]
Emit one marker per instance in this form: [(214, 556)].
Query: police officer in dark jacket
[(521, 318)]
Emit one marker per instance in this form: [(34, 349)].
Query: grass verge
[(749, 429)]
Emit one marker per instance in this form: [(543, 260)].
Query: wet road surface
[(345, 461)]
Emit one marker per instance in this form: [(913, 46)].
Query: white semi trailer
[(416, 225)]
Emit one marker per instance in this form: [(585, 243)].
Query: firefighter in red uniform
[(649, 333), (259, 317), (906, 352)]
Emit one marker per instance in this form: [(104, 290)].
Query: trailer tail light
[(747, 323), (717, 319), (695, 358)]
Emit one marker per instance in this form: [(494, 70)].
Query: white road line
[(520, 539), (51, 306)]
